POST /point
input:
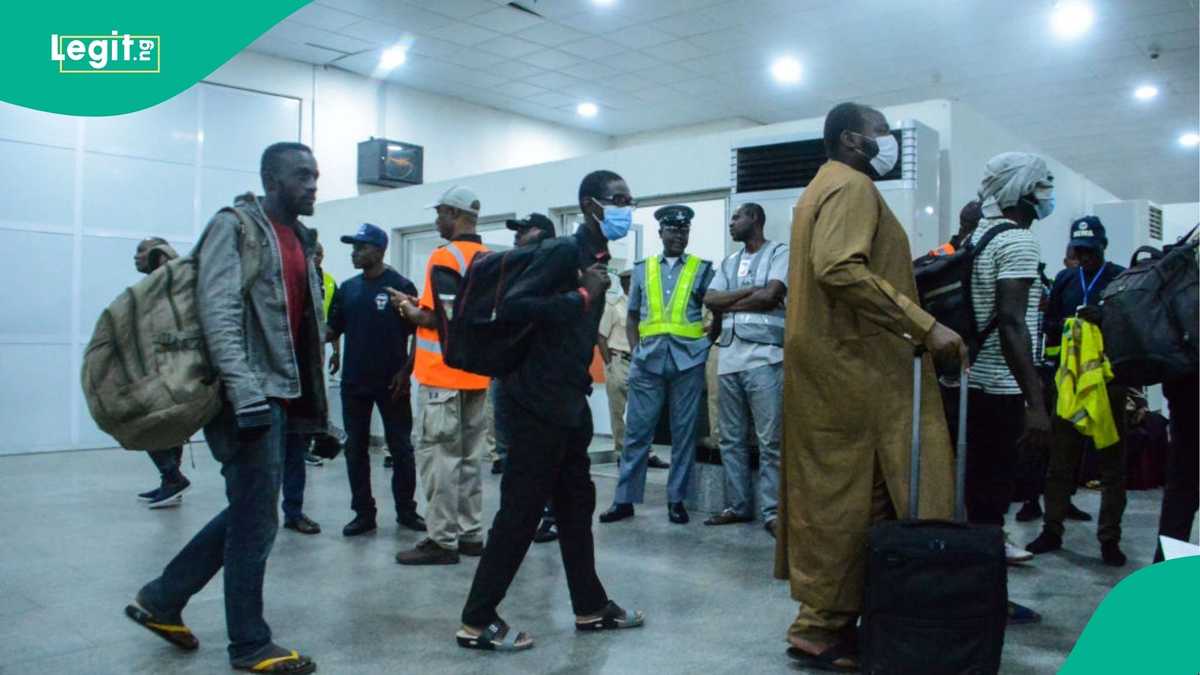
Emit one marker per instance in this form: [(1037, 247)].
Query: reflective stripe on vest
[(657, 323), (758, 327), (329, 287)]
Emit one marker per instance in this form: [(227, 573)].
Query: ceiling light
[(1072, 19), (393, 56), (604, 3), (1145, 92), (587, 109), (786, 70), (929, 210), (1189, 140)]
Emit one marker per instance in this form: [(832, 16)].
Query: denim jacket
[(248, 337)]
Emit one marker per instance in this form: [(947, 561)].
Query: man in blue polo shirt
[(375, 375)]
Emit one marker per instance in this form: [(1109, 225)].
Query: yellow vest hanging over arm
[(659, 323), (1083, 373)]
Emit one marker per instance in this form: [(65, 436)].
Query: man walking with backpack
[(1077, 293), (151, 254), (265, 342)]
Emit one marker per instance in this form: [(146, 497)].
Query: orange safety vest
[(944, 249), (428, 368)]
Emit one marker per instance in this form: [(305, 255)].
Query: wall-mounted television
[(390, 163)]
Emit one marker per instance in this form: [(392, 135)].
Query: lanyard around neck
[(1087, 288)]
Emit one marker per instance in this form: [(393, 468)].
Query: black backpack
[(472, 330), (944, 288), (1151, 322)]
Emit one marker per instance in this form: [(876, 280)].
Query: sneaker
[(148, 495), (312, 460), (1044, 543), (1111, 553), (428, 552), (1014, 554), (170, 494), (1030, 510)]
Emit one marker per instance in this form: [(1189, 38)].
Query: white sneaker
[(1015, 554)]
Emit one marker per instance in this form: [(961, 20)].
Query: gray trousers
[(754, 395), (647, 391)]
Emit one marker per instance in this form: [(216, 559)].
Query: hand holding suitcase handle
[(947, 347)]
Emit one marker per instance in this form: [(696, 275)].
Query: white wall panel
[(35, 126), (218, 187), (167, 131), (107, 270), (238, 125), (137, 195), (35, 397), (38, 184), (41, 306)]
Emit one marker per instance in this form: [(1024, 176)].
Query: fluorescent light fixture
[(1189, 140), (786, 70), (586, 109), (1072, 18), (1145, 92), (393, 56)]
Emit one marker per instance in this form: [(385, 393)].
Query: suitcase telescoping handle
[(960, 449)]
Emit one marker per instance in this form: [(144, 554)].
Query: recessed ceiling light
[(1189, 140), (1145, 92), (604, 3), (786, 70), (393, 56), (929, 210), (587, 109), (1072, 18)]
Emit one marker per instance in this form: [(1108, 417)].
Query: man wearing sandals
[(550, 427), (266, 347)]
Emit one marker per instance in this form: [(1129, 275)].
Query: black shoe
[(360, 525), (547, 531), (656, 463), (302, 524), (1030, 510), (428, 552), (1076, 513), (312, 460), (412, 521), (148, 495), (1044, 543), (388, 461), (497, 467), (617, 512), (473, 549), (677, 514), (1110, 552), (170, 494)]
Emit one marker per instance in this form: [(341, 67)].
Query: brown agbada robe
[(848, 389)]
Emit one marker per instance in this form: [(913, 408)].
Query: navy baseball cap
[(536, 220), (1088, 232), (367, 234)]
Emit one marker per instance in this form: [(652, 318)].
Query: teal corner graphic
[(92, 58)]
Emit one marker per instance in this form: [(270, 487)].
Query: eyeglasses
[(618, 200)]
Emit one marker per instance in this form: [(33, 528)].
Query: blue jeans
[(239, 538), (681, 390), (752, 395), (294, 475)]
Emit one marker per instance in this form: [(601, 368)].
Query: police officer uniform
[(667, 366)]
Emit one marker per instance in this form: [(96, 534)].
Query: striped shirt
[(1013, 254)]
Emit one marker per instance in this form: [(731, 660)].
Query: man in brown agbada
[(853, 323)]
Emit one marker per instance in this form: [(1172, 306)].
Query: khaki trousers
[(616, 383), (451, 442), (712, 385)]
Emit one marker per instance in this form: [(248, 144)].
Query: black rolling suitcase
[(936, 590)]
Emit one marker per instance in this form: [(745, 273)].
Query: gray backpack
[(146, 374)]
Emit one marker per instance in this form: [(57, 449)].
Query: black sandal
[(490, 639), (291, 663), (172, 631), (612, 617), (828, 659)]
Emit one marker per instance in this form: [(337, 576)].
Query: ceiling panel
[(653, 64)]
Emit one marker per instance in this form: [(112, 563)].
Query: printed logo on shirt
[(743, 268), (381, 301), (114, 53)]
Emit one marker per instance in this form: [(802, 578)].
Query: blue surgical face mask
[(1044, 207), (616, 223)]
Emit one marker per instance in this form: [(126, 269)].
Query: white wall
[(460, 138), (1179, 219), (686, 131)]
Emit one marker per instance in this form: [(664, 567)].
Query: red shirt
[(295, 277)]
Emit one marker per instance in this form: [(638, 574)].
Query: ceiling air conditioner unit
[(773, 173), (1128, 225)]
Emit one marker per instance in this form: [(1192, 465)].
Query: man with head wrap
[(1005, 399)]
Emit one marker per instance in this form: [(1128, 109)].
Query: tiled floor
[(76, 546)]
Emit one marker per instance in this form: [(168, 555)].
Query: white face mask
[(889, 154)]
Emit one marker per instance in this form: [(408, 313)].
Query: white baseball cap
[(460, 197)]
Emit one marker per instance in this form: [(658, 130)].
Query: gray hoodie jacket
[(248, 336)]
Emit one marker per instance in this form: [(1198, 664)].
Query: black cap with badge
[(537, 220), (1088, 232), (675, 215)]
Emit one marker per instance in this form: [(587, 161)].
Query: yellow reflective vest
[(672, 320), (329, 287), (1083, 373)]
